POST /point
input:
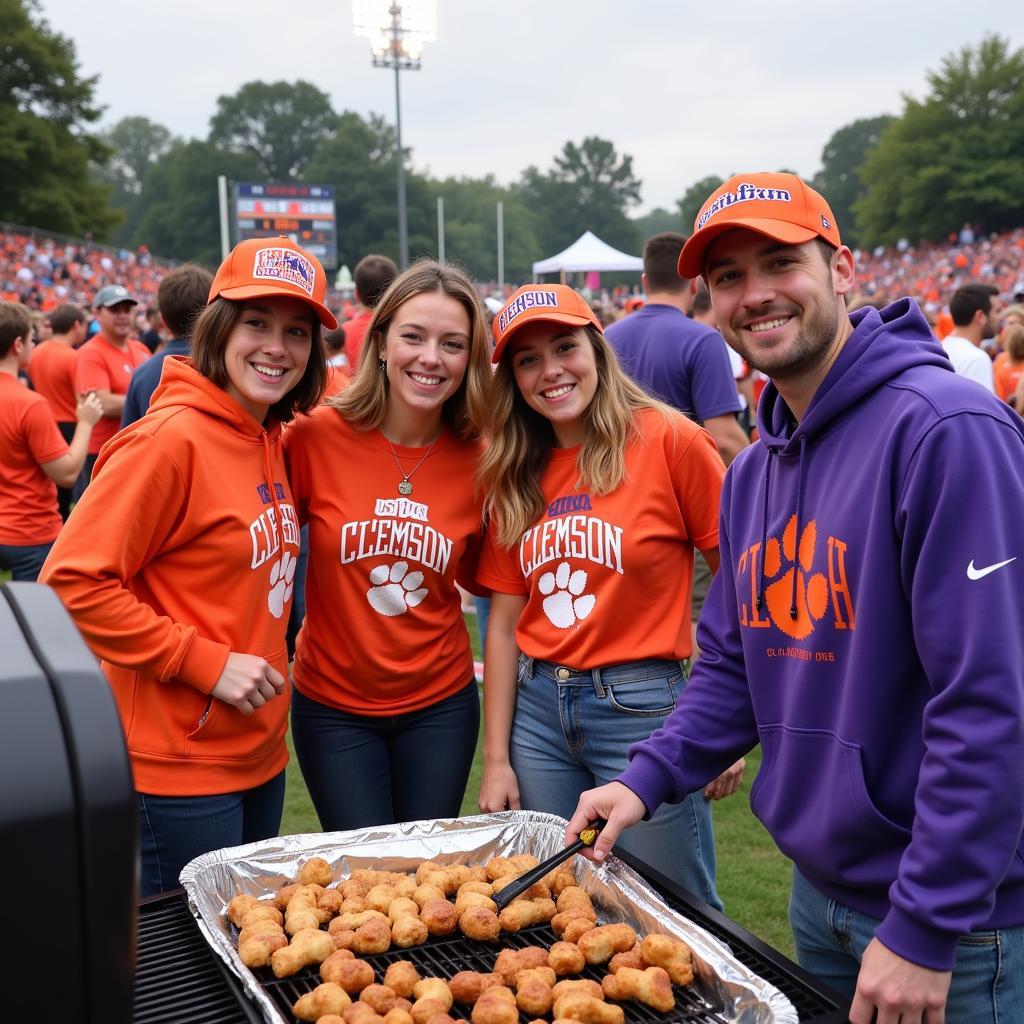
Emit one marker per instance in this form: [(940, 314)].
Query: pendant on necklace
[(405, 487)]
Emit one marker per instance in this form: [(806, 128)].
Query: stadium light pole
[(397, 30)]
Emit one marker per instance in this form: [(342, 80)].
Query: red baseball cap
[(555, 302), (260, 267), (781, 206)]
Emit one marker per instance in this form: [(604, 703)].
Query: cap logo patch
[(745, 193), (285, 265), (825, 224), (528, 300)]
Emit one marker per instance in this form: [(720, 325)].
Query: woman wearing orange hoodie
[(178, 563)]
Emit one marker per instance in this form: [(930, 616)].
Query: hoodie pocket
[(205, 723), (812, 797)]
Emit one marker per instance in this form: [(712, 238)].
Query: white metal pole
[(440, 229), (222, 200)]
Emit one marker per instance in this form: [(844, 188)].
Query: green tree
[(281, 124), (590, 187), (693, 199), (135, 144), (657, 221), (953, 157), (841, 161), (46, 110), (181, 218)]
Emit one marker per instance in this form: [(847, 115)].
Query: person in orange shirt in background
[(597, 496), (105, 365), (33, 454), (372, 277), (385, 710), (178, 563), (1008, 364), (51, 367)]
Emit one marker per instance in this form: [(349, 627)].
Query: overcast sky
[(688, 89)]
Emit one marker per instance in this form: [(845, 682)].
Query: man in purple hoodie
[(866, 628)]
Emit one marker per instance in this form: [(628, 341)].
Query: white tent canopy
[(588, 252)]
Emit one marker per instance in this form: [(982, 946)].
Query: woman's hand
[(247, 682), (499, 788), (727, 783)]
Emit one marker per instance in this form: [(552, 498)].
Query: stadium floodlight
[(397, 31)]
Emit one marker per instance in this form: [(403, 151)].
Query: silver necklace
[(405, 484)]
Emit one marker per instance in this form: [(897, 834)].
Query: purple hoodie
[(885, 680)]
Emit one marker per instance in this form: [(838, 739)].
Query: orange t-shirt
[(608, 577), (28, 438), (1007, 376), (384, 632), (102, 366), (355, 332), (52, 366)]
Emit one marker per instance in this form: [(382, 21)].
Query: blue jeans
[(375, 770), (988, 980), (571, 732), (176, 829), (24, 560)]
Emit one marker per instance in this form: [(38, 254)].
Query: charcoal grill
[(180, 978)]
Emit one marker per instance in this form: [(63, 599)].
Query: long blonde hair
[(520, 441), (364, 402)]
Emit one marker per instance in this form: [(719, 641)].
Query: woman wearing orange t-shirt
[(597, 496), (1009, 364), (385, 712)]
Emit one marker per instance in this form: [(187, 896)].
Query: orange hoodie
[(172, 560)]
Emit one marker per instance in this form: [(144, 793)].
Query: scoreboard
[(305, 213)]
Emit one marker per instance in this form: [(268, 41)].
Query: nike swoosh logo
[(977, 574)]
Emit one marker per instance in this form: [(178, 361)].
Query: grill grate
[(444, 957), (178, 978)]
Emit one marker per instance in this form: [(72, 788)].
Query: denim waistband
[(623, 672)]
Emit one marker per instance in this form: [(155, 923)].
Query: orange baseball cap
[(781, 206), (260, 267), (555, 302)]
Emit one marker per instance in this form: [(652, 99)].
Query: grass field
[(753, 877)]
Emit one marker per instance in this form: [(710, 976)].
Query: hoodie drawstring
[(799, 523), (764, 529), (268, 476)]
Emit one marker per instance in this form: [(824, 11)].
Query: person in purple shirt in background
[(866, 628), (181, 297)]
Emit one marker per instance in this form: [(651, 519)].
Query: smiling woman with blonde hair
[(597, 496), (385, 712)]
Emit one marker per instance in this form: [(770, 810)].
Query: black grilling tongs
[(588, 836)]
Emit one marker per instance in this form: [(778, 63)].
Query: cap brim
[(255, 291), (570, 319), (117, 302), (691, 259)]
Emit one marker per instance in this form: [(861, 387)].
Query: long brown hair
[(210, 338), (364, 402), (521, 440)]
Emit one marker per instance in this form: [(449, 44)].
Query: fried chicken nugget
[(398, 1015), (672, 954), (536, 891), (587, 1009), (464, 900), (427, 893), (467, 986), (440, 917), (331, 901), (533, 996), (331, 1018), (442, 1018), (521, 914), (582, 986), (372, 877), (480, 924), (563, 877), (315, 871), (346, 970), (354, 921), (380, 998), (353, 888), (434, 988), (380, 897), (576, 929), (360, 1013), (402, 906), (373, 937), (574, 896), (256, 950), (324, 999), (400, 977), (509, 962), (343, 938), (563, 918), (496, 1006), (651, 986), (475, 885), (423, 1009), (239, 906), (600, 944), (408, 931), (500, 867), (631, 958), (284, 895), (258, 928), (262, 912), (353, 905), (309, 947), (566, 958)]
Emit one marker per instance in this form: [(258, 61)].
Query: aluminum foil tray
[(724, 990)]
